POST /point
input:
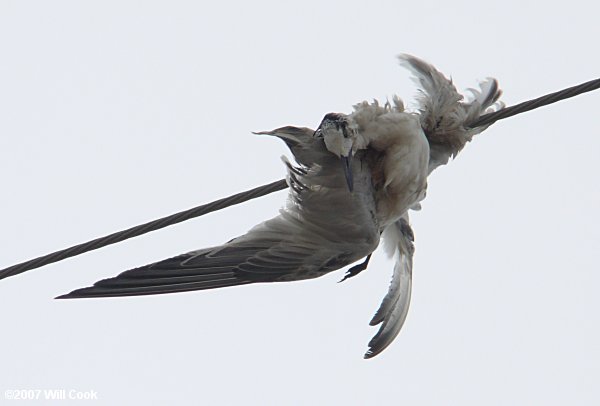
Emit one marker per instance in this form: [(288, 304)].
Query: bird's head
[(339, 134)]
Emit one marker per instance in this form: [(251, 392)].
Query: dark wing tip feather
[(98, 291), (178, 274)]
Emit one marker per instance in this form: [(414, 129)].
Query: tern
[(352, 184)]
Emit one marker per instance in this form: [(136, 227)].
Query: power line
[(535, 103), (262, 190), (143, 228)]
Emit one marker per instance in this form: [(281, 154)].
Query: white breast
[(405, 149)]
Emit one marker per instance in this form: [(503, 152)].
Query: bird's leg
[(356, 269)]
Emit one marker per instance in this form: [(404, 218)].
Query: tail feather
[(394, 308)]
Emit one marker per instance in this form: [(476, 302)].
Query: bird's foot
[(356, 269)]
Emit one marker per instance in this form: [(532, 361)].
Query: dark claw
[(356, 269)]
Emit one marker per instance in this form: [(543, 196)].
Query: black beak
[(347, 164)]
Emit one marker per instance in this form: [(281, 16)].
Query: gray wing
[(322, 228), (444, 113), (394, 307)]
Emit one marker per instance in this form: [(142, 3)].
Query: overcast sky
[(114, 113)]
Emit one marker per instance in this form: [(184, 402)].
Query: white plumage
[(353, 182)]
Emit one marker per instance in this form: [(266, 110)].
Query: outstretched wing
[(394, 307), (322, 228)]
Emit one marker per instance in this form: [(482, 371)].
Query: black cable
[(535, 103), (263, 190), (143, 228)]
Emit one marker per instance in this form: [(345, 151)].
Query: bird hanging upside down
[(353, 182)]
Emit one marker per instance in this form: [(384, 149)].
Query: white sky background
[(116, 113)]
